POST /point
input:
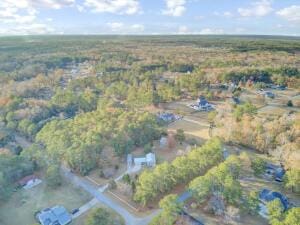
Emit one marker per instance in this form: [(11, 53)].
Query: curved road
[(129, 218)]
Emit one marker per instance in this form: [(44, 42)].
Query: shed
[(22, 182)]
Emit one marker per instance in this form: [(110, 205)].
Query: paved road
[(128, 217), (85, 208)]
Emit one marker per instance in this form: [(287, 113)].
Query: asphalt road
[(129, 218)]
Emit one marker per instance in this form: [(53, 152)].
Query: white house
[(148, 160), (202, 105)]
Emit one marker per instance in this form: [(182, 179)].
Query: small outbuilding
[(163, 142), (29, 181)]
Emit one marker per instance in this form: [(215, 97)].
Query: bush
[(258, 165), (179, 136), (126, 178), (53, 176), (99, 216), (147, 148), (290, 103)]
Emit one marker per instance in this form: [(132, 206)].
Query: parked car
[(74, 211)]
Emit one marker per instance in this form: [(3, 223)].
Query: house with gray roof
[(56, 215)]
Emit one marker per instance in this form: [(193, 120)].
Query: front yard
[(21, 207), (116, 217)]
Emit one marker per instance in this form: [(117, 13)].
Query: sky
[(262, 17)]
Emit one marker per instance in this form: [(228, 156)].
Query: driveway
[(129, 218)]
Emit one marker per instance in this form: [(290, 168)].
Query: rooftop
[(267, 195), (56, 215)]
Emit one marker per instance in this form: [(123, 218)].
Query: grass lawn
[(190, 129), (21, 207), (81, 219)]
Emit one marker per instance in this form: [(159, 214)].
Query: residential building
[(56, 215), (148, 160)]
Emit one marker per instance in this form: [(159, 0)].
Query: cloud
[(291, 13), (211, 31), (183, 30), (137, 28), (226, 14), (20, 17), (55, 4), (257, 9), (118, 27), (128, 7), (175, 7), (35, 28), (11, 12), (240, 30), (115, 26)]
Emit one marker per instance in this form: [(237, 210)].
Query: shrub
[(290, 103), (258, 165)]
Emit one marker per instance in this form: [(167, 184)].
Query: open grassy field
[(21, 207), (191, 129)]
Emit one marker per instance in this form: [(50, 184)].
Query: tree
[(258, 165), (246, 108), (292, 180), (126, 178), (252, 203), (112, 184), (122, 145), (171, 207), (211, 116), (179, 136), (99, 216), (165, 176), (53, 176), (147, 148), (292, 217), (290, 103), (221, 179), (275, 211), (232, 190)]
